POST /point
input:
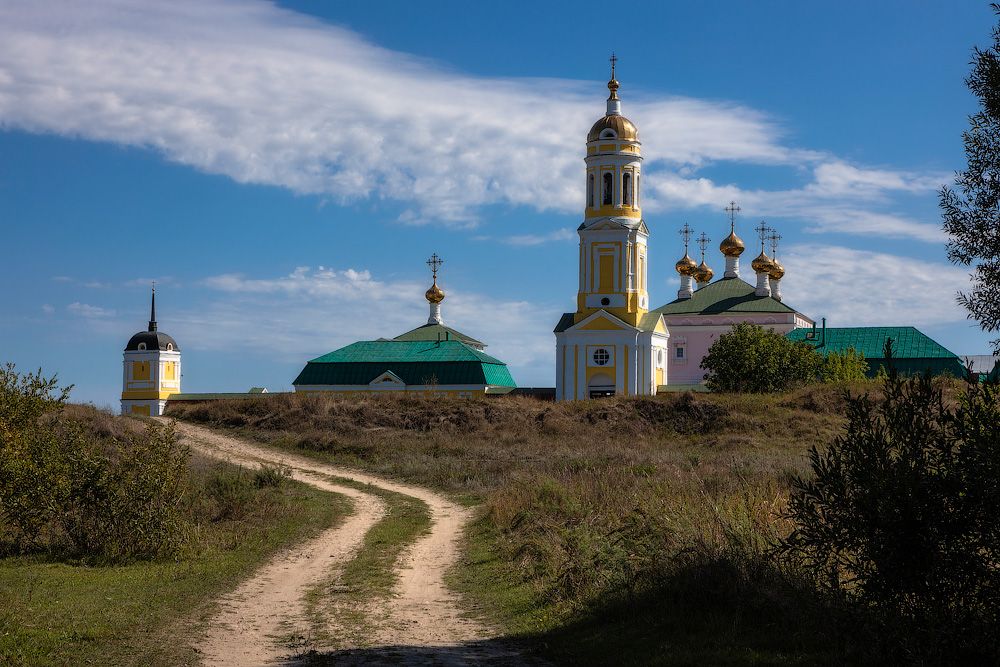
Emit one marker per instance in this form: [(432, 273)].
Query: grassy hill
[(60, 605), (631, 531)]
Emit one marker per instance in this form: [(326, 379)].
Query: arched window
[(636, 195), (609, 184), (627, 190), (590, 191)]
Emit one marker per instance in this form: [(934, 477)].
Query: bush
[(114, 498), (846, 366), (901, 515), (751, 359), (270, 476)]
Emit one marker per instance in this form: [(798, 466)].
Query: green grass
[(352, 593), (60, 613)]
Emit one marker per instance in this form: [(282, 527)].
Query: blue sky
[(283, 170)]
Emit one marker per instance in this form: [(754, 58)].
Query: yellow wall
[(140, 370), (607, 273), (170, 370), (140, 410)]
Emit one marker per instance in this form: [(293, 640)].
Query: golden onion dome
[(435, 294), (761, 263), (732, 246), (704, 273), (686, 266), (623, 128), (777, 271)]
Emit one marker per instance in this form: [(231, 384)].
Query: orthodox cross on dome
[(686, 233), (774, 238), (703, 242), (613, 83), (435, 263), (762, 229), (731, 211)]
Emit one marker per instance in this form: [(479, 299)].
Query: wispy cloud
[(88, 311), (265, 95), (312, 311), (859, 288), (539, 239)]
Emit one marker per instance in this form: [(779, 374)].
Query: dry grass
[(600, 509)]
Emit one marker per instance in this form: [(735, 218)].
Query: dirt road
[(420, 624)]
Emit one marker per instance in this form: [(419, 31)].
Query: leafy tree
[(755, 360), (972, 213), (900, 513)]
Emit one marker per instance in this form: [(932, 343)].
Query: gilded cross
[(613, 59), (435, 263), (774, 238), (762, 229), (686, 233), (703, 242), (732, 210)]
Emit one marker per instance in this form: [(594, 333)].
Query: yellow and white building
[(612, 344), (151, 370)]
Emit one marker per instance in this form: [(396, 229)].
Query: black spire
[(152, 310)]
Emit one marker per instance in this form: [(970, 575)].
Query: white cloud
[(539, 239), (265, 95), (88, 311), (312, 311), (48, 309), (861, 288)]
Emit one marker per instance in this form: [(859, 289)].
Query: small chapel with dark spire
[(151, 370)]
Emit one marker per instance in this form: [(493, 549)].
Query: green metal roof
[(914, 351), (437, 332), (726, 295), (414, 362)]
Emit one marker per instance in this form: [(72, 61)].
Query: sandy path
[(421, 623)]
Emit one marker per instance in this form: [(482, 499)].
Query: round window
[(605, 301), (142, 346), (601, 357)]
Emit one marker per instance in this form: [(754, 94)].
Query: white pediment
[(387, 379)]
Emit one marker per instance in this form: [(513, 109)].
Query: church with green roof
[(432, 358)]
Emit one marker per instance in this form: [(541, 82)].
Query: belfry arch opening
[(590, 191), (609, 186), (627, 190)]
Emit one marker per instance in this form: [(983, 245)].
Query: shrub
[(115, 498), (846, 366), (751, 359), (901, 514)]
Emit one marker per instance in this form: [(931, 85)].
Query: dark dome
[(154, 340)]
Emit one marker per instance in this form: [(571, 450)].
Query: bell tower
[(151, 369), (613, 236), (612, 344)]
